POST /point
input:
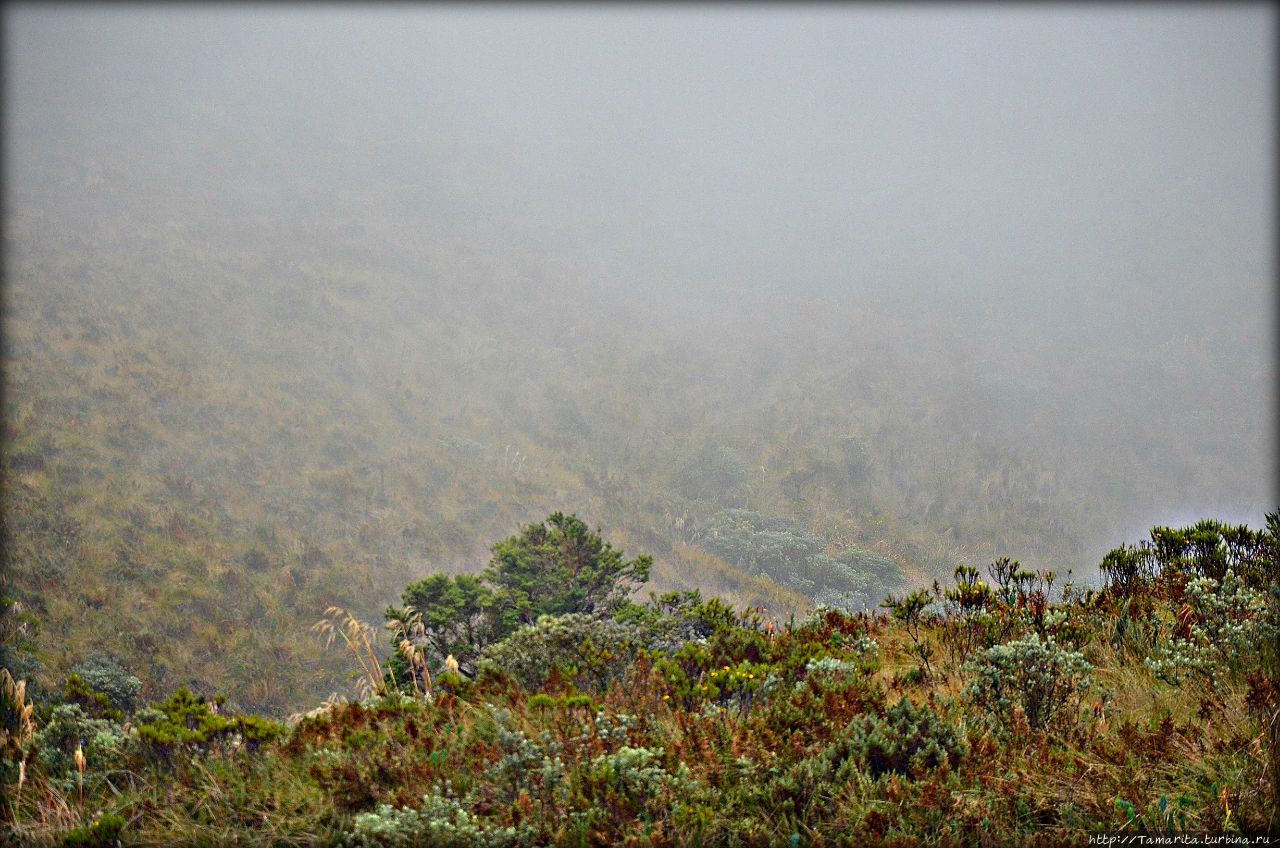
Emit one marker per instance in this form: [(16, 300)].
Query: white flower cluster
[(1039, 677), (1230, 623), (442, 821), (638, 772), (534, 766)]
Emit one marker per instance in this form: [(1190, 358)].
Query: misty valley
[(524, 427)]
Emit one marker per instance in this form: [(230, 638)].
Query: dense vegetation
[(1006, 707)]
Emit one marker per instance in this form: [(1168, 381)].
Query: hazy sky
[(840, 146)]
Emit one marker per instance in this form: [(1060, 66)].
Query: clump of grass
[(358, 638)]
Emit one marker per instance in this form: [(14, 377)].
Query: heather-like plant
[(1034, 675), (531, 766), (735, 685), (636, 779), (787, 794), (1207, 549), (909, 741), (865, 662)]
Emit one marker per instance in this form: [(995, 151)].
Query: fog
[(993, 152), (978, 237)]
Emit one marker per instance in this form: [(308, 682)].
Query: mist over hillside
[(304, 303)]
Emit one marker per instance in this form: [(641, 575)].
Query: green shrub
[(103, 832), (908, 741), (1207, 549), (865, 662), (182, 720), (590, 651), (1210, 548), (771, 799), (103, 673), (256, 731), (455, 613), (532, 766), (1012, 582), (633, 783), (559, 567), (443, 822), (1038, 677), (76, 691), (103, 741), (1128, 569), (186, 721), (673, 619), (820, 706), (974, 619)]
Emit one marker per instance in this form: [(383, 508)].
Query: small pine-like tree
[(557, 567)]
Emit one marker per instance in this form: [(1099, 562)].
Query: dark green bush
[(186, 721), (103, 832), (908, 740), (76, 691)]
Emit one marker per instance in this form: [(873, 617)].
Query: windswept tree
[(455, 614), (555, 567), (559, 566)]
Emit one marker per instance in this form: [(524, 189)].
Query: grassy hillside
[(226, 411)]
